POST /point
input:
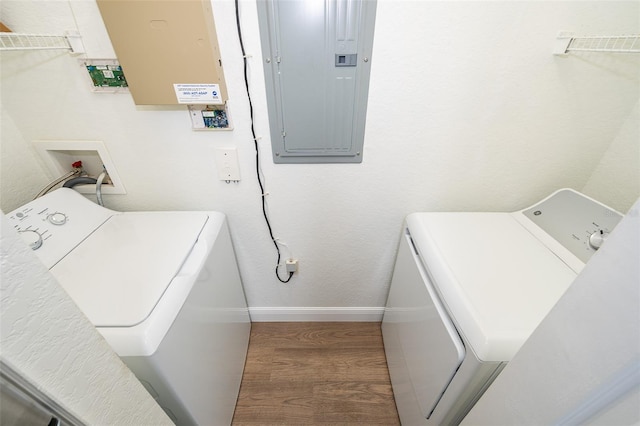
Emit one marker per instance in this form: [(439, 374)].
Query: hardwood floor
[(315, 374)]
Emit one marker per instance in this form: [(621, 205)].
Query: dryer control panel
[(54, 224), (576, 221)]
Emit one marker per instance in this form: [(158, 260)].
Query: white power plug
[(292, 265)]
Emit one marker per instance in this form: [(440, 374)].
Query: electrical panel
[(317, 64), (168, 50)]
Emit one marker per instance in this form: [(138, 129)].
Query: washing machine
[(469, 288), (163, 289)]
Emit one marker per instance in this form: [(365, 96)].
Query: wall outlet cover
[(227, 164)]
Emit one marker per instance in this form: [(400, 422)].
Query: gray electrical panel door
[(317, 62)]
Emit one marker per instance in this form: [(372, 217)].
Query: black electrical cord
[(255, 141)]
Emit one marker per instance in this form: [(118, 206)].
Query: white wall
[(585, 353), (468, 110), (45, 337), (615, 179)]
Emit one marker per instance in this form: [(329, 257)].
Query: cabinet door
[(317, 63), (424, 349), (168, 50)]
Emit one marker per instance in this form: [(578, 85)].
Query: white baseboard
[(287, 314)]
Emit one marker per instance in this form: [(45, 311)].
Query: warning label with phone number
[(198, 93)]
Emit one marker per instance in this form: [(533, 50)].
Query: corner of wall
[(616, 179)]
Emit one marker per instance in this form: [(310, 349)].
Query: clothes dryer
[(469, 288)]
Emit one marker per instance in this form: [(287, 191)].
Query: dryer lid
[(119, 273), (497, 280)]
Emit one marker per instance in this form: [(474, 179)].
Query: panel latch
[(346, 59)]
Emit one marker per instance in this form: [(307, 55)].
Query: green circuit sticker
[(107, 75)]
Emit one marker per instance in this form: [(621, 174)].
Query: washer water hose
[(99, 187), (82, 180), (49, 187), (85, 180), (78, 180)]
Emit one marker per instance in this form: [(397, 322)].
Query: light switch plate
[(227, 164)]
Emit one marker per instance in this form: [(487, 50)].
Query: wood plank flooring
[(315, 374)]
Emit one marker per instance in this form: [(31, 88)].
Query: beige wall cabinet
[(168, 50)]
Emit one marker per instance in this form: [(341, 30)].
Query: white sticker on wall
[(198, 93)]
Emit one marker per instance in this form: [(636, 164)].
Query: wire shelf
[(568, 42), (615, 44), (17, 41)]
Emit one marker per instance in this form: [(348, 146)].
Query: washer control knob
[(57, 218), (33, 238), (597, 238)]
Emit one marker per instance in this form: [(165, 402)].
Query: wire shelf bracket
[(71, 41), (567, 42)]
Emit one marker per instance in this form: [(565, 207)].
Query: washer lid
[(497, 280), (120, 272)]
